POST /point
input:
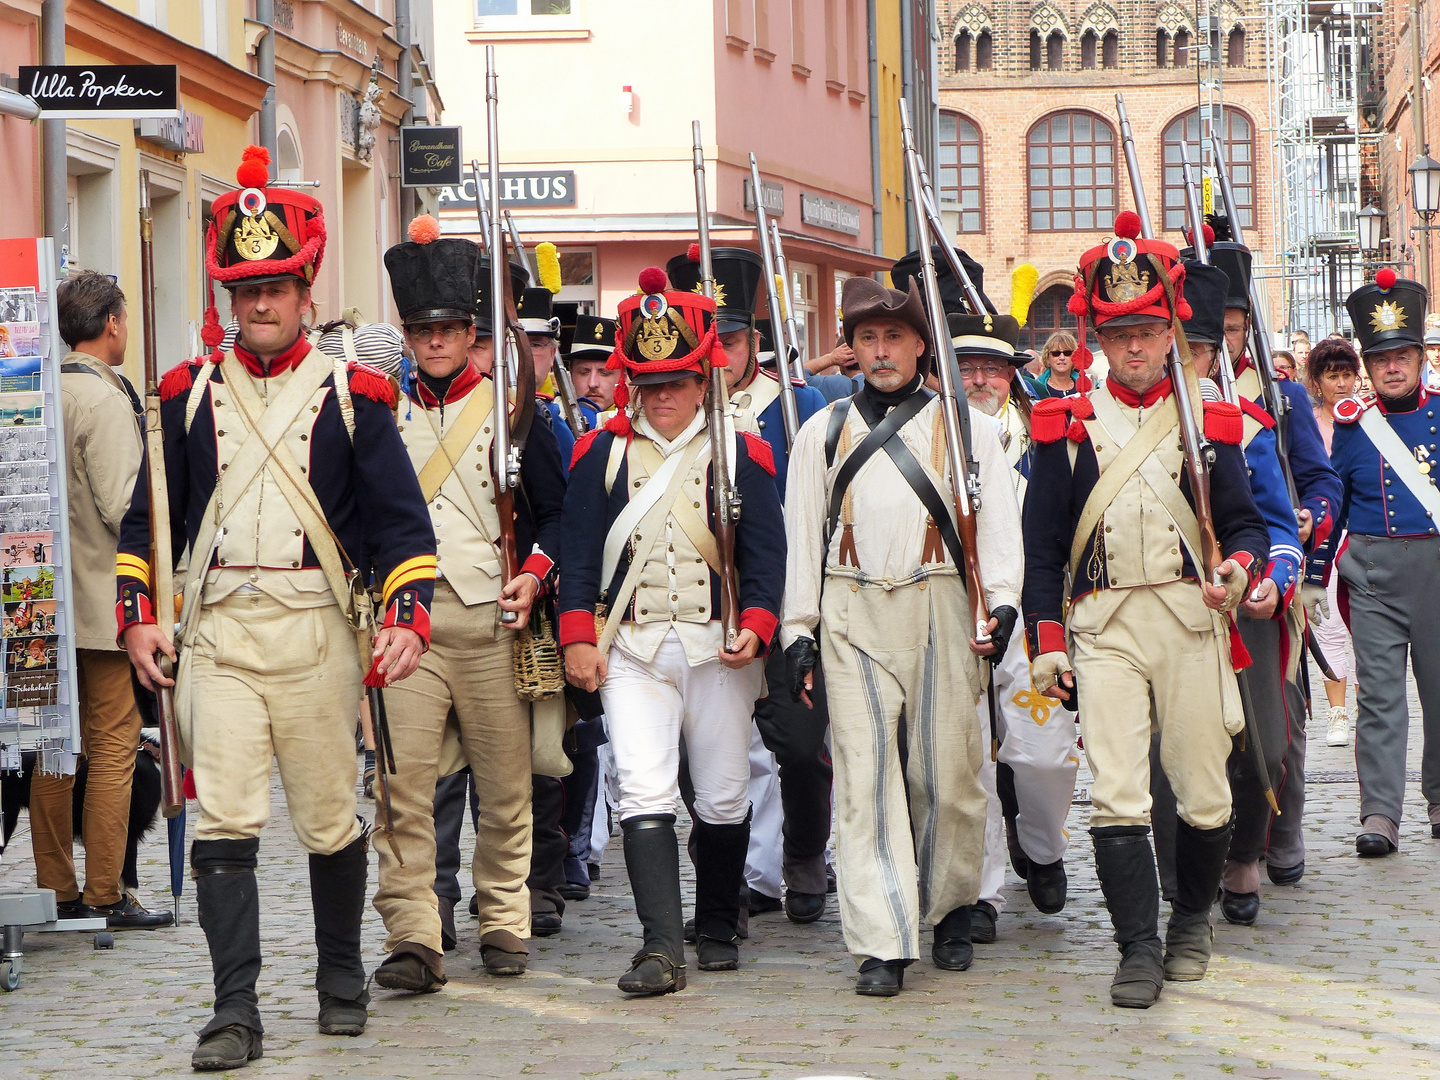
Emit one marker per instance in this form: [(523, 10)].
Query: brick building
[(1030, 163)]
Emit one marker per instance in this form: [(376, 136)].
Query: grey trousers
[(1286, 848), (1393, 586)]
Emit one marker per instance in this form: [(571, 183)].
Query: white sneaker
[(1338, 733)]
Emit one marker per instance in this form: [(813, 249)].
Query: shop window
[(1240, 145), (961, 170), (577, 275), (804, 287), (1071, 173)]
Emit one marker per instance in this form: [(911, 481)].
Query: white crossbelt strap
[(1401, 459), (660, 482)]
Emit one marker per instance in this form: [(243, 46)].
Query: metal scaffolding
[(1321, 75)]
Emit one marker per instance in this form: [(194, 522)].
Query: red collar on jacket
[(1123, 394), (288, 359), (464, 382), (1420, 400)]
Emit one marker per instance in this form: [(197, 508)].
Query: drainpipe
[(265, 68), (877, 217), (52, 137), (907, 85), (406, 79)]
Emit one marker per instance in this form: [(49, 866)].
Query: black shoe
[(1373, 845), (70, 909), (652, 859), (952, 949), (1046, 885), (574, 891), (652, 973), (880, 978), (544, 923), (447, 925), (409, 971), (720, 894), (229, 1048), (1286, 875), (760, 903), (475, 905), (1125, 864), (1434, 833), (830, 884), (341, 1017), (982, 923), (127, 914), (803, 907), (714, 955), (689, 931), (1240, 908)]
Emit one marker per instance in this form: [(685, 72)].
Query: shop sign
[(351, 42), (773, 193), (520, 190), (184, 134), (429, 156), (830, 214), (81, 92)]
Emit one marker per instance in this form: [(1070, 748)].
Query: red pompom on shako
[(662, 334), (652, 280), (254, 170), (259, 233), (693, 253), (1128, 224), (1385, 277)]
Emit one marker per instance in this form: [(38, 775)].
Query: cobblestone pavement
[(1340, 977)]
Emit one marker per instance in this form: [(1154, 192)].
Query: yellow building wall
[(892, 160)]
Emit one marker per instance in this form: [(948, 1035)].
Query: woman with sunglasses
[(1058, 378)]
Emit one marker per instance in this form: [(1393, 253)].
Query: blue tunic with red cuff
[(1056, 497), (590, 511), (370, 497)]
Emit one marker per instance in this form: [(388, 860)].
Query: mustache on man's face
[(884, 365)]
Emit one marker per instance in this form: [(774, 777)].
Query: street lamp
[(1370, 223), (1425, 186)]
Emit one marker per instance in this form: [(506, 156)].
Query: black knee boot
[(719, 873), (1199, 861), (337, 895), (652, 859), (1126, 867), (229, 905)]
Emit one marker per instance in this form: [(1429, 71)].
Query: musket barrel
[(792, 329), (496, 245), (788, 412)]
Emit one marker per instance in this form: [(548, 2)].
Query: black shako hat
[(988, 336), (952, 293), (519, 278), (594, 339), (433, 280), (1206, 288), (535, 308), (738, 272), (1235, 259), (1388, 312)]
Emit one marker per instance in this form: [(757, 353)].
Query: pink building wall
[(19, 141)]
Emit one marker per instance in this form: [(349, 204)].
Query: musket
[(788, 412), (791, 337), (564, 386), (384, 769), (1199, 454), (1275, 401), (512, 353), (482, 206), (162, 555), (965, 485), (723, 493), (1224, 368)]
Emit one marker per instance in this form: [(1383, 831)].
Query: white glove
[(1046, 669), (1316, 601)]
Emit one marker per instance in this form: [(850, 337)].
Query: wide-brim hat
[(432, 277), (259, 234), (990, 336), (863, 299), (952, 294), (1205, 290), (665, 334), (1388, 313), (738, 273)]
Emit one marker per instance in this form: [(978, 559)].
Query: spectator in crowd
[(1286, 365), (1432, 358), (1058, 378), (1300, 347)]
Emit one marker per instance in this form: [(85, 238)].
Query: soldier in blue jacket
[(1386, 453)]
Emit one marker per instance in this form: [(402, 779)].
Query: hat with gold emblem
[(259, 234), (1388, 312), (738, 273), (665, 334), (594, 339)]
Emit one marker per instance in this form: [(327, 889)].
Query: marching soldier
[(793, 733), (872, 576), (588, 356), (536, 310), (277, 456), (442, 292), (640, 619), (1109, 503), (1386, 452)]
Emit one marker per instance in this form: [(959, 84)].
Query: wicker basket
[(539, 669)]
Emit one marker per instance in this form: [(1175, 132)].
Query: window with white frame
[(804, 287), (526, 14)]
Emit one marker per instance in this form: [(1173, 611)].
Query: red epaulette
[(1256, 413), (1224, 423), (583, 444), (178, 380), (759, 451), (371, 382), (1349, 411), (1052, 419)]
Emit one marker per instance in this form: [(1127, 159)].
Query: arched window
[(962, 51), (1162, 48), (1110, 50), (1055, 51), (1048, 313), (1182, 48), (1240, 146), (1071, 173), (1035, 50), (985, 51), (1087, 50), (961, 170), (287, 164), (1235, 48)]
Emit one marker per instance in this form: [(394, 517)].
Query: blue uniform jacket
[(590, 510), (553, 418), (1272, 499), (808, 401)]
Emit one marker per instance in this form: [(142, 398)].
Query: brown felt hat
[(864, 298)]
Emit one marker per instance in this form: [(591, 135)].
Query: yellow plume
[(780, 292), (1023, 280), (547, 262)]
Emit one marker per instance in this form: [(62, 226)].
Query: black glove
[(800, 660), (1005, 618)]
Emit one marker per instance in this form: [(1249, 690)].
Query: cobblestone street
[(1340, 977)]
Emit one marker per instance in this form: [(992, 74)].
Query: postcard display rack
[(38, 699)]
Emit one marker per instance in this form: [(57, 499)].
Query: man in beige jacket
[(103, 459)]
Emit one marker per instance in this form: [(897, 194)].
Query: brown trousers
[(109, 736)]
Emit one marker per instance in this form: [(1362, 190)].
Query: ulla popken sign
[(76, 92)]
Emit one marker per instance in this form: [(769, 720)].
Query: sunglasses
[(1061, 352)]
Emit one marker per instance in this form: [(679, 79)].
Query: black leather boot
[(228, 900), (1199, 862), (652, 859), (1126, 868), (719, 873), (337, 895), (952, 949)]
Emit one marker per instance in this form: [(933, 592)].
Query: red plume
[(693, 253), (1209, 234), (1127, 224), (652, 280), (254, 170)]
